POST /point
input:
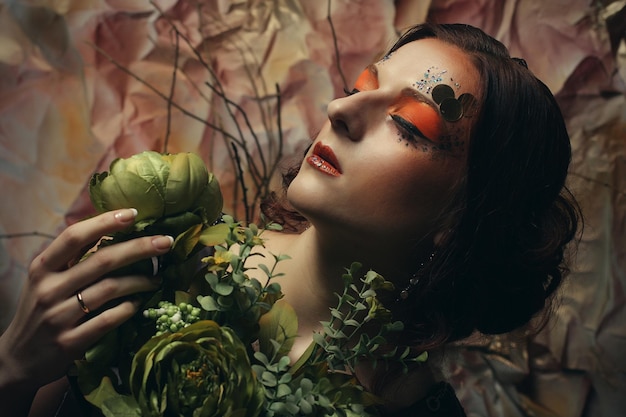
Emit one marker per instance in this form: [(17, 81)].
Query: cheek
[(412, 181)]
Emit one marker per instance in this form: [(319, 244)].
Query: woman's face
[(386, 163)]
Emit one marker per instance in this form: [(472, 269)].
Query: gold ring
[(83, 306)]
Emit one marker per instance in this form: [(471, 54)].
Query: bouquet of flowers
[(213, 341)]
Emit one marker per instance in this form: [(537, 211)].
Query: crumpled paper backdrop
[(80, 84)]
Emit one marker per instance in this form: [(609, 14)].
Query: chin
[(304, 194)]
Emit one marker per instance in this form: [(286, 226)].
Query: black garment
[(440, 401)]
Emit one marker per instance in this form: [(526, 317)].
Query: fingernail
[(163, 242), (126, 215)]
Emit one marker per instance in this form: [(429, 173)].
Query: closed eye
[(409, 128)]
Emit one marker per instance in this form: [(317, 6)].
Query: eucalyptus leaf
[(265, 269), (223, 288), (208, 303), (283, 390)]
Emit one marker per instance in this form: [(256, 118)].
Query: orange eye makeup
[(421, 115), (368, 80)]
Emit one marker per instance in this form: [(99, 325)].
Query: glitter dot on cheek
[(402, 137)]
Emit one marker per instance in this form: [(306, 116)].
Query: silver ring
[(83, 306)]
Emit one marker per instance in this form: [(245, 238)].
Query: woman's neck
[(314, 273), (312, 276)]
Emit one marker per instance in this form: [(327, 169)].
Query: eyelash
[(408, 128)]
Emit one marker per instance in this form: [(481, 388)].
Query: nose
[(346, 115)]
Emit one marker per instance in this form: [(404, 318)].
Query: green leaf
[(274, 226), (368, 293), (112, 403), (214, 235), (283, 390), (280, 258), (354, 268), (239, 278), (304, 358), (360, 307), (319, 339), (273, 288), (285, 378), (261, 357), (123, 406), (269, 379), (185, 242), (208, 303), (405, 353), (279, 324), (223, 288), (265, 269), (336, 313)]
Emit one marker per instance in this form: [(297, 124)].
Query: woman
[(443, 170)]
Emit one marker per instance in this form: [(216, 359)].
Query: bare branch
[(171, 97), (337, 58)]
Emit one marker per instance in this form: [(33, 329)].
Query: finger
[(78, 339), (104, 291), (70, 311), (113, 257), (72, 241)]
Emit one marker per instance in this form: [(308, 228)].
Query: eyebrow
[(409, 92)]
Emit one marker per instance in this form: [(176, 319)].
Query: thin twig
[(171, 97), (279, 126), (229, 103), (332, 29), (595, 181), (244, 193)]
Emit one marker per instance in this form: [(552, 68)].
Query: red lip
[(324, 159)]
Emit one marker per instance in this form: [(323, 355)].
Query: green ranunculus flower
[(158, 185), (174, 194), (202, 370)]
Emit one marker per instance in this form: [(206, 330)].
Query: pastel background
[(85, 81)]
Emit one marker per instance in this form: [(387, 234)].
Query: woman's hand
[(51, 327)]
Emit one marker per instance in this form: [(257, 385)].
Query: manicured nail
[(126, 215), (163, 242)]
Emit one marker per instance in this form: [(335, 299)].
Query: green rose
[(202, 370), (158, 185)]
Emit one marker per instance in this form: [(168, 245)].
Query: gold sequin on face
[(451, 108)]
